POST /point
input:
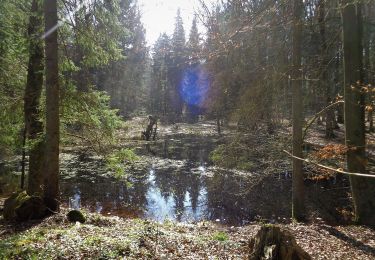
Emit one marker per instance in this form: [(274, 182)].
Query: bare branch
[(319, 114), (330, 168)]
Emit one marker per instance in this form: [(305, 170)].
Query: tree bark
[(324, 69), (298, 207), (51, 191), (363, 189), (367, 63), (338, 87), (33, 91)]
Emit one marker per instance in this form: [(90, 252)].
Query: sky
[(158, 16)]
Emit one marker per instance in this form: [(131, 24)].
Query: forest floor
[(328, 233), (117, 238)]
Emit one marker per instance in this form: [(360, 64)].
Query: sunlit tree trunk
[(363, 189), (33, 91), (51, 191), (298, 207)]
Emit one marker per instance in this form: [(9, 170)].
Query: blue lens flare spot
[(194, 86)]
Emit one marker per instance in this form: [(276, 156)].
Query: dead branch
[(319, 114), (330, 168)]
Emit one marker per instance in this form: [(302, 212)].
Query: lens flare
[(194, 86)]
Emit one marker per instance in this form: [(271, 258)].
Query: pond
[(174, 180)]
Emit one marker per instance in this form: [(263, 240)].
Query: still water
[(173, 180), (175, 183)]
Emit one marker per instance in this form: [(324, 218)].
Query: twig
[(318, 114), (330, 168)]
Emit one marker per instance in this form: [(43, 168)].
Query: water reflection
[(175, 194), (75, 201), (99, 207), (172, 184), (180, 192)]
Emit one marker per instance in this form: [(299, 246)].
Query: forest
[(246, 131)]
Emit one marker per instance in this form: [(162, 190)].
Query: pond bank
[(175, 178), (117, 238)]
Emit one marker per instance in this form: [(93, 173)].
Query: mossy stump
[(76, 216), (272, 243), (22, 207)]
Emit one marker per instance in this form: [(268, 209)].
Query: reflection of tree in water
[(111, 194), (226, 198), (179, 195), (135, 193), (194, 190), (176, 183), (186, 147), (196, 150), (163, 182)]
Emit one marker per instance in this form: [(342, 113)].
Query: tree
[(298, 208), (123, 79), (193, 44), (178, 63), (14, 55), (192, 74), (161, 87), (33, 125), (368, 68), (363, 189), (51, 183), (324, 68)]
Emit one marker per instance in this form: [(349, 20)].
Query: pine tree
[(33, 91), (123, 79), (178, 65), (51, 184), (161, 88), (193, 72), (193, 44)]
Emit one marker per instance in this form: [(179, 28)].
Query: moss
[(22, 207), (220, 236), (12, 203), (76, 216)]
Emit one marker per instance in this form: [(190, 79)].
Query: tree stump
[(151, 129), (272, 243)]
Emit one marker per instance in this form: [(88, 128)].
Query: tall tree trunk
[(338, 87), (363, 189), (367, 63), (51, 191), (324, 69), (33, 91), (298, 209)]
